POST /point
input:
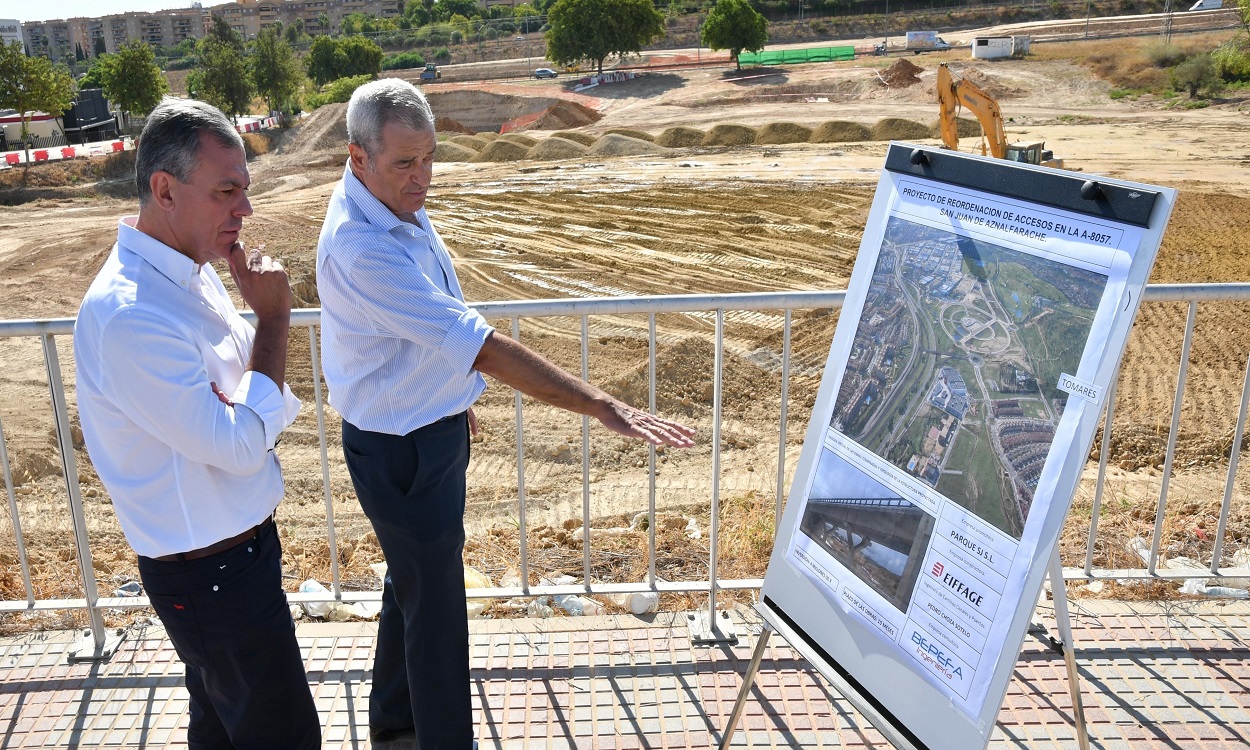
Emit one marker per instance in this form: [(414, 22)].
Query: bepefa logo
[(933, 653), (938, 568)]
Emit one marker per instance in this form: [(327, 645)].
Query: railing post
[(96, 644), (711, 626), (332, 539), (17, 521)]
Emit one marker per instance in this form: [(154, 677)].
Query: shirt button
[(249, 549), (214, 588)]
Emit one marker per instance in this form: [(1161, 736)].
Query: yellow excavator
[(955, 91)]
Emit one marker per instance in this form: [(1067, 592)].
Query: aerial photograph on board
[(868, 528), (952, 372)]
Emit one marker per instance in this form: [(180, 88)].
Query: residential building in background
[(10, 30), (60, 38), (248, 17)]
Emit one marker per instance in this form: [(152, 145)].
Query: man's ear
[(360, 159), (162, 184)]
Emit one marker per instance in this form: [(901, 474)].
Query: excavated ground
[(671, 220)]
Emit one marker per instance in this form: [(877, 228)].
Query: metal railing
[(714, 306)]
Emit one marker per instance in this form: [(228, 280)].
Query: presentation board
[(986, 314)]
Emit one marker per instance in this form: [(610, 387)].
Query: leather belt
[(216, 547)]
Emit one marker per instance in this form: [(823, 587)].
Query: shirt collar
[(172, 264), (375, 211)]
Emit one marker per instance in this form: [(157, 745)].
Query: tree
[(275, 71), (30, 84), (221, 79), (362, 57), (131, 79), (325, 60), (445, 9), (594, 29), (1196, 74), (1243, 12), (220, 31), (736, 26), (78, 55), (527, 16), (323, 23), (295, 32), (98, 47)]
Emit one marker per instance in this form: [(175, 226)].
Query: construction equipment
[(431, 72), (954, 91)]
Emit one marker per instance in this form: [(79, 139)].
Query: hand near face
[(262, 281)]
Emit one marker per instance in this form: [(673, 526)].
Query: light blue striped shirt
[(397, 341)]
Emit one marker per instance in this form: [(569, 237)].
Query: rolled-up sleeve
[(277, 409), (395, 294), (156, 374)]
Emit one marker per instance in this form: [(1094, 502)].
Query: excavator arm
[(954, 92)]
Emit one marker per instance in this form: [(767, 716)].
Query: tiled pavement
[(1152, 677)]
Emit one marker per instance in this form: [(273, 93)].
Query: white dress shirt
[(184, 469), (397, 341)]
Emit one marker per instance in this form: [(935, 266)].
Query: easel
[(1059, 595), (1065, 645)]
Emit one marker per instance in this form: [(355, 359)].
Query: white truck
[(1207, 5), (925, 41)]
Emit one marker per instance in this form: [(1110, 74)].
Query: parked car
[(545, 73)]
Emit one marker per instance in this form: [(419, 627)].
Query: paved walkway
[(1152, 677)]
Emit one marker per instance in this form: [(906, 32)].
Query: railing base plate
[(718, 631), (85, 649)]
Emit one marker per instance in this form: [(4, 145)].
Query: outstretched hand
[(630, 422)]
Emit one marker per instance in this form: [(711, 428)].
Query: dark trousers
[(230, 624), (412, 488)]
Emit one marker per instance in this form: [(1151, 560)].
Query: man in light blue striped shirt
[(404, 359)]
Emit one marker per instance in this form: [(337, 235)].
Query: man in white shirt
[(181, 403), (403, 356)]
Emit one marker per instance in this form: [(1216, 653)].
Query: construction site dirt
[(669, 219)]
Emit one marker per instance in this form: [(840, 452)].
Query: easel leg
[(748, 680), (1059, 593)]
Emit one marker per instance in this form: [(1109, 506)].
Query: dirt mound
[(565, 114), (840, 131), (448, 151), (898, 129), (623, 145), (901, 74), (489, 135), (448, 125), (989, 84), (475, 142), (682, 386), (681, 137), (966, 127), (631, 133), (583, 138), (523, 140), (503, 150), (783, 132), (323, 130), (550, 149), (730, 134)]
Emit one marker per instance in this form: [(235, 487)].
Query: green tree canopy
[(98, 47), (222, 78), (220, 30), (444, 9), (1197, 74), (330, 59), (33, 84), (131, 79), (275, 71), (594, 29), (736, 26), (1243, 11)]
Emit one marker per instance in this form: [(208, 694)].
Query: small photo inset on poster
[(867, 528)]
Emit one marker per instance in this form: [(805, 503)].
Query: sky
[(47, 10)]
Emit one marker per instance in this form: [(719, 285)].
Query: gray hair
[(170, 141), (376, 103)]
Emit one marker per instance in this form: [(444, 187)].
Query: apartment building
[(248, 17), (58, 39)]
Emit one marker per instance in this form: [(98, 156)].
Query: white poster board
[(987, 312)]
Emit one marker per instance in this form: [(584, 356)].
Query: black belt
[(221, 546)]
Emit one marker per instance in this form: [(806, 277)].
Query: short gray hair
[(170, 141), (376, 103)]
